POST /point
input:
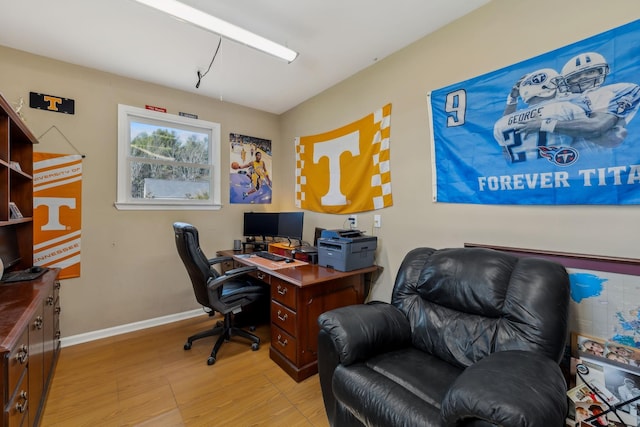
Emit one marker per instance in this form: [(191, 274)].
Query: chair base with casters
[(226, 330)]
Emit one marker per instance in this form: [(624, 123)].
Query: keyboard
[(270, 256), (21, 276)]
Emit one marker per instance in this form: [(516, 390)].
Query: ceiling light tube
[(220, 27)]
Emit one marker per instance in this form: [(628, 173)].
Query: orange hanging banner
[(346, 170), (57, 212)]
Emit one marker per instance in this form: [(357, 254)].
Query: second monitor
[(288, 225)]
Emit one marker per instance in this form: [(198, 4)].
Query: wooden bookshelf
[(16, 178)]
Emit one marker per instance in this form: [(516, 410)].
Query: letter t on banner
[(57, 212)]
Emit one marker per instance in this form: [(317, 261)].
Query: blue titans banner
[(556, 129)]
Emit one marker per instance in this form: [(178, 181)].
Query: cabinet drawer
[(283, 317), (18, 359), (18, 407), (284, 343), (264, 277), (284, 293)]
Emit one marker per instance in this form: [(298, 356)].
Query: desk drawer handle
[(38, 322), (282, 290), (260, 275), (21, 407), (282, 343), (281, 317), (23, 354)]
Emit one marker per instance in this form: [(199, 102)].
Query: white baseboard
[(130, 327)]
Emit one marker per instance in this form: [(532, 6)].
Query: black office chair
[(227, 293)]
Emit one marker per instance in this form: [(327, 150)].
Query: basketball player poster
[(555, 129), (250, 170)]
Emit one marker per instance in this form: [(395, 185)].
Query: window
[(167, 161)]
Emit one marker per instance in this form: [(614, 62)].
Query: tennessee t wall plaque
[(54, 103)]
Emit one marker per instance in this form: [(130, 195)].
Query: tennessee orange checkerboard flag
[(346, 170), (57, 212)]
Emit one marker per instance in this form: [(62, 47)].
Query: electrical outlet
[(353, 220), (377, 221)]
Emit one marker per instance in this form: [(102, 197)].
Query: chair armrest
[(220, 259), (230, 275), (361, 331), (240, 271), (511, 388)]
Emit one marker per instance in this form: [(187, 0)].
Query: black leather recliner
[(472, 337)]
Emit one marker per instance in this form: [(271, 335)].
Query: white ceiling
[(334, 39)]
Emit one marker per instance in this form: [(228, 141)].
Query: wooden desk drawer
[(264, 277), (284, 293), (18, 359), (284, 343), (18, 407), (283, 317)]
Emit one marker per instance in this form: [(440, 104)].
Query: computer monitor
[(9, 248), (290, 225), (262, 224)]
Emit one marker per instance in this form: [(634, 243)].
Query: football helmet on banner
[(585, 71), (540, 83)]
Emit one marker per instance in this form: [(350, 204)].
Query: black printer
[(346, 250)]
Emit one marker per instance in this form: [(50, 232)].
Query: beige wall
[(501, 33), (130, 270)]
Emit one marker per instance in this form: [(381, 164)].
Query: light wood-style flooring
[(146, 378)]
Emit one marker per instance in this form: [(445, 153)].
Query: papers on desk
[(271, 265)]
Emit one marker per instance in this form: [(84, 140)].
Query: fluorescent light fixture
[(220, 27)]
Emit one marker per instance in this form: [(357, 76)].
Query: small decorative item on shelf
[(18, 108), (16, 166), (15, 212)]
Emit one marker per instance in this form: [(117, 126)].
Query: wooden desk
[(299, 295)]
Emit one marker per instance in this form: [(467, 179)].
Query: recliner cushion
[(464, 304), (403, 387)]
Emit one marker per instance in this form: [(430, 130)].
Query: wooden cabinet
[(29, 346)]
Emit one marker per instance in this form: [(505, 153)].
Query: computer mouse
[(289, 260), (36, 269)]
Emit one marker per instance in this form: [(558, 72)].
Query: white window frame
[(127, 114)]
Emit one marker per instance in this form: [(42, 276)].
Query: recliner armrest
[(361, 331), (511, 388)]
